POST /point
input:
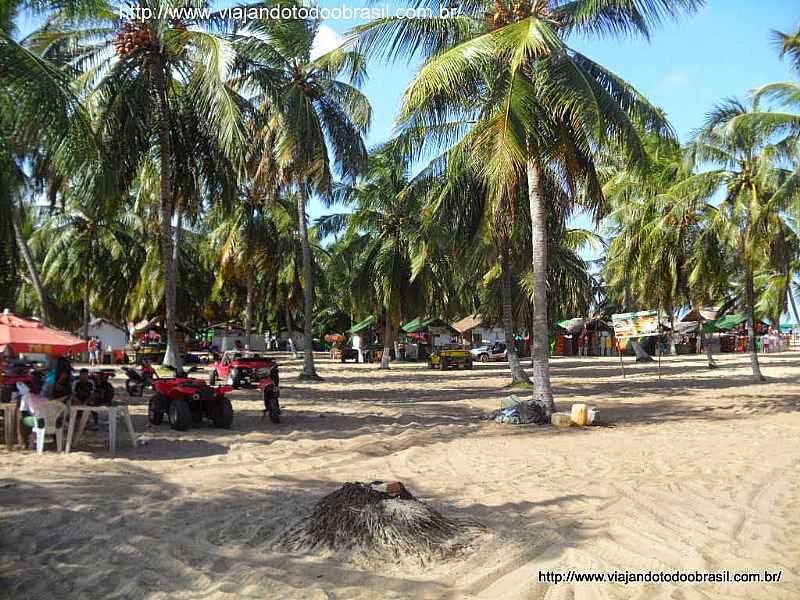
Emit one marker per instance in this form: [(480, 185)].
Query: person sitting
[(30, 406), (83, 388)]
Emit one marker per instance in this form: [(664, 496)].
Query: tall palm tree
[(40, 119), (749, 167), (504, 73), (319, 118), (149, 83)]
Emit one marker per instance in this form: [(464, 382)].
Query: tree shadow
[(133, 534)]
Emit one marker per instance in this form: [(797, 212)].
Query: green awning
[(728, 322), (365, 324), (416, 325)]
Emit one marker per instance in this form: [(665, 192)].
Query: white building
[(111, 335), (474, 330)]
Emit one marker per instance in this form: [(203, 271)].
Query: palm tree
[(84, 248), (748, 162), (40, 118), (149, 84), (383, 242), (504, 73), (315, 113)]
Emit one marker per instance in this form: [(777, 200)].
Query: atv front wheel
[(180, 416), (445, 364), (223, 414), (212, 379), (155, 409), (133, 388)]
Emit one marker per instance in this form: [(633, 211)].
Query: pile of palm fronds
[(373, 524)]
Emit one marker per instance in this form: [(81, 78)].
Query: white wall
[(109, 336), (489, 335)]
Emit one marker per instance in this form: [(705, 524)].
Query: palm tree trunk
[(87, 309), (33, 272), (309, 372), (387, 343), (166, 213), (542, 392), (248, 315), (518, 374), (673, 350), (707, 338), (794, 305), (751, 325)]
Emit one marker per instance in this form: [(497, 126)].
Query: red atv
[(186, 401), (238, 367)]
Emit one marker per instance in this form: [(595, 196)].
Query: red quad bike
[(241, 367), (238, 367), (187, 401)]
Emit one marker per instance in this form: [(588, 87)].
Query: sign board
[(636, 324)]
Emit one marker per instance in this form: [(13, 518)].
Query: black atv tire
[(134, 388), (272, 406), (180, 416), (445, 364), (155, 409), (212, 379), (468, 364), (236, 380), (222, 414)]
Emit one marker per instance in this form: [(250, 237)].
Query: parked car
[(490, 352), (447, 357)]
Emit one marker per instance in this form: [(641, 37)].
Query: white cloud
[(325, 41), (674, 80)]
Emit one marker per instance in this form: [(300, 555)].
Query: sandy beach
[(695, 472)]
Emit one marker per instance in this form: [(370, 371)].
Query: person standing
[(93, 351)]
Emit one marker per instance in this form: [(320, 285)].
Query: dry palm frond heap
[(371, 523)]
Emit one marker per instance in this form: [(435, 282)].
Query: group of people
[(61, 385)]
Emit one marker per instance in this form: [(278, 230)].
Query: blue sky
[(687, 66), (724, 50)]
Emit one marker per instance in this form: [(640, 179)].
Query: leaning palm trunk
[(309, 372), (751, 325), (166, 212), (794, 305), (387, 344), (33, 272), (542, 392), (518, 374), (248, 316)]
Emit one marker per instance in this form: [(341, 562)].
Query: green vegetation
[(165, 167)]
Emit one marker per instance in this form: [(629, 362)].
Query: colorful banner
[(636, 324)]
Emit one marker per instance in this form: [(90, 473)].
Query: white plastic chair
[(49, 413)]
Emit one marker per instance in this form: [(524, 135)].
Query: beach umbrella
[(24, 335)]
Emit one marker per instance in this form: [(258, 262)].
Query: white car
[(487, 352)]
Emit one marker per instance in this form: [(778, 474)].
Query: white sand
[(697, 472)]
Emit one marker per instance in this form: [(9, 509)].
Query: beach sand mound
[(371, 525)]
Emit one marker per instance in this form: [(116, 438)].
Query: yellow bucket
[(560, 419), (580, 414)]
